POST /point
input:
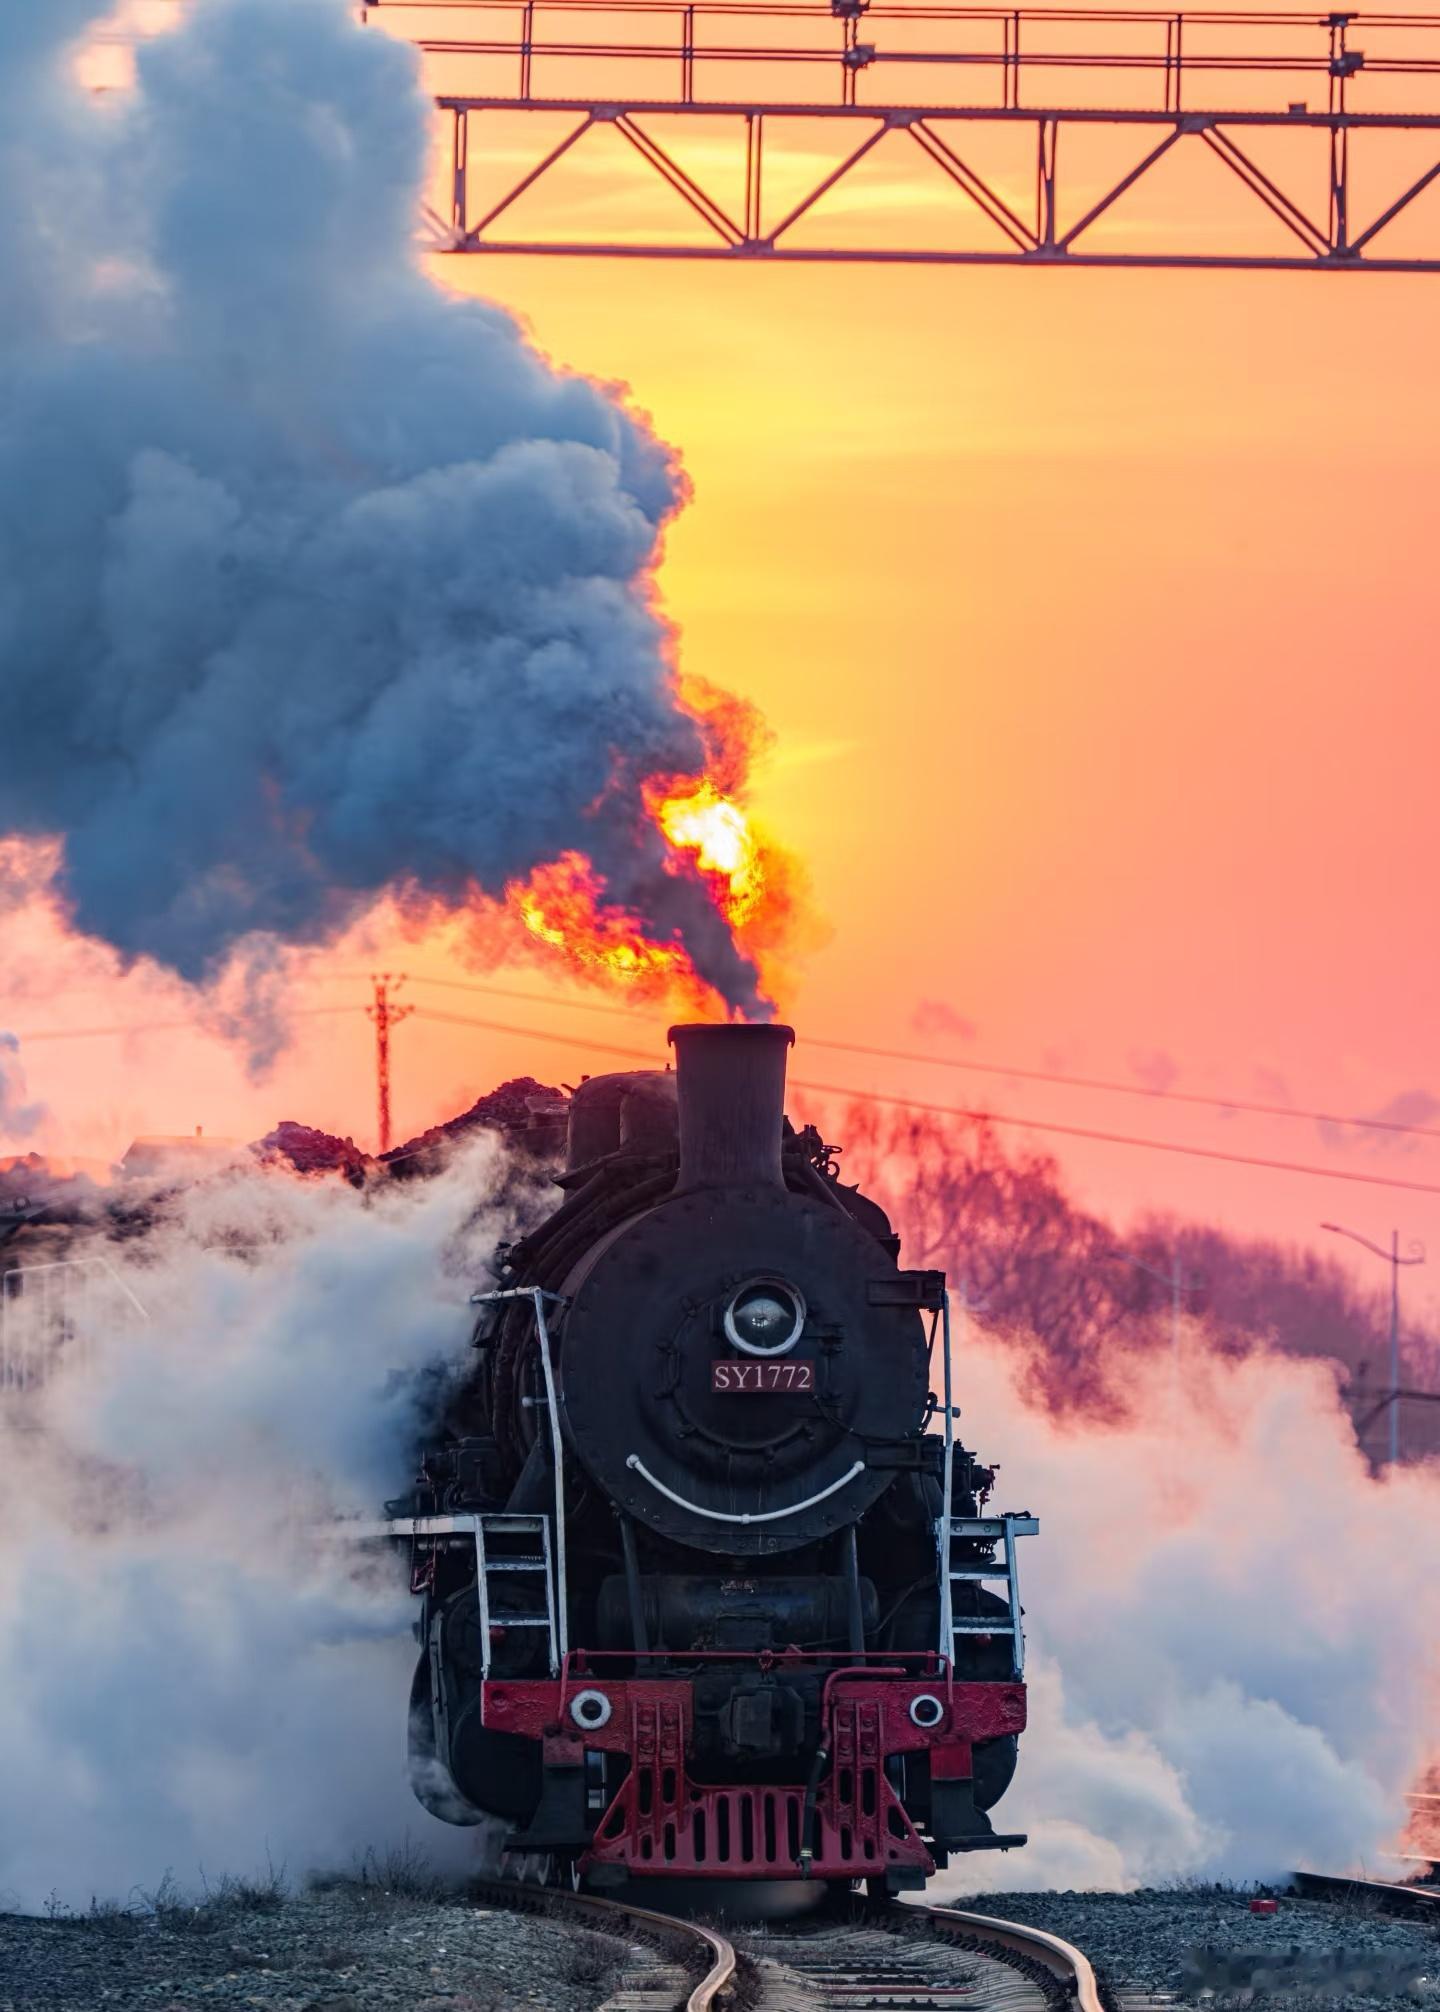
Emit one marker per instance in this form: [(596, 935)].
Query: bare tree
[(1004, 1227), (1044, 1272)]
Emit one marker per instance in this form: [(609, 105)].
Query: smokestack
[(730, 1082)]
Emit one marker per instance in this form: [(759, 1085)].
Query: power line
[(1136, 1090), (1123, 1139), (1048, 1125), (1006, 1070), (87, 1033), (190, 1025), (646, 1055), (977, 1116)]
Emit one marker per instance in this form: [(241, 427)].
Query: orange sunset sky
[(1094, 614)]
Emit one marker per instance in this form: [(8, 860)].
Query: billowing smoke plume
[(18, 1119), (315, 582), (192, 1677), (1233, 1627)]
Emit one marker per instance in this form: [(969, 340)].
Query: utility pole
[(1392, 1257), (386, 1014), (1179, 1285)]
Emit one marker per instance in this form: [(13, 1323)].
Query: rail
[(668, 1928), (879, 1958), (1069, 1965)]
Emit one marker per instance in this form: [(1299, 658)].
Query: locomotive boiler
[(708, 1586)]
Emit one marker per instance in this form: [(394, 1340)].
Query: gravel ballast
[(1141, 1941), (346, 1949)]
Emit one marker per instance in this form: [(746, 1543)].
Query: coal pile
[(308, 1150), (531, 1115), (34, 1198), (42, 1211)]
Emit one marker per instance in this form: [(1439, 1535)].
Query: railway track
[(1419, 1902), (895, 1958), (912, 1958), (700, 1977), (900, 1957)]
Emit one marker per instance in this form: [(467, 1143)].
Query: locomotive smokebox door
[(726, 1361)]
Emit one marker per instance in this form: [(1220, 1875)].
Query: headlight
[(765, 1317)]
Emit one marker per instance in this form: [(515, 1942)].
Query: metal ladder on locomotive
[(969, 1531)]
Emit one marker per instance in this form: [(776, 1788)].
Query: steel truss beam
[(939, 132), (1040, 68)]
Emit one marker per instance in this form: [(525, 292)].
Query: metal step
[(993, 1526), (514, 1564), (981, 1572), (969, 1627)]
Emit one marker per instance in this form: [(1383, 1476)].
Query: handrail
[(537, 1297), (1231, 17), (71, 1264), (562, 1624), (942, 1525), (27, 1356), (1012, 42)]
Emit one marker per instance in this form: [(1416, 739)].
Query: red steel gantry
[(936, 77)]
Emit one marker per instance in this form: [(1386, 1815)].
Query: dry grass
[(175, 1909), (381, 1878)]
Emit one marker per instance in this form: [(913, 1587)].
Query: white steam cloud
[(1234, 1628), (316, 583), (1233, 1625), (192, 1679)]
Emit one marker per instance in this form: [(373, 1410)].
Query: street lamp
[(1392, 1257), (1178, 1283)]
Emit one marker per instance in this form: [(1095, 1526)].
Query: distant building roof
[(159, 1152)]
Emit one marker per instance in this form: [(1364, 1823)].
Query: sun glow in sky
[(1094, 613)]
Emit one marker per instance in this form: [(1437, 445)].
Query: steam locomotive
[(702, 1592)]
